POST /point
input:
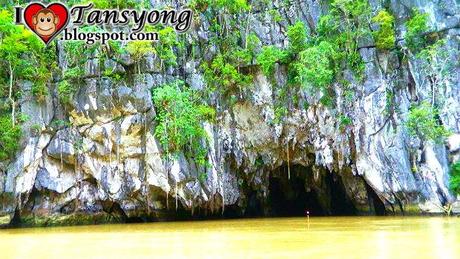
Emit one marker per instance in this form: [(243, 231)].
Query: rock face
[(108, 160)]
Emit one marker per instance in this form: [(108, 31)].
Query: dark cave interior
[(299, 193)]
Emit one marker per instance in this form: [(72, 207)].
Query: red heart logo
[(48, 21)]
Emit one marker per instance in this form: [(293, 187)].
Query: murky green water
[(331, 237)]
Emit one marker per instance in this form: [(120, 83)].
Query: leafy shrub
[(385, 36), (233, 49), (22, 56), (252, 43), (179, 119), (344, 121), (416, 27), (328, 27), (224, 76), (275, 15), (110, 4), (297, 36), (280, 113), (355, 9), (351, 18), (227, 6), (437, 64), (139, 49), (69, 85), (65, 91), (9, 138), (199, 5), (232, 6), (268, 57), (423, 124), (314, 68), (241, 57), (165, 46), (454, 182)]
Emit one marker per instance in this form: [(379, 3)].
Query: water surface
[(322, 237)]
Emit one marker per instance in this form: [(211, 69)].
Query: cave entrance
[(300, 193)]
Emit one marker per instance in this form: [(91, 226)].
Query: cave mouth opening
[(299, 193)]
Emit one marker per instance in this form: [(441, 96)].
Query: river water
[(321, 237)]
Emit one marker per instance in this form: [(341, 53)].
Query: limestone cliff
[(117, 168)]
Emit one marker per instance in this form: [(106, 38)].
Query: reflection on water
[(338, 237)]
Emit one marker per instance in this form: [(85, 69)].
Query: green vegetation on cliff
[(22, 58), (315, 68), (297, 35), (385, 36), (268, 57), (416, 28), (455, 178), (423, 123), (9, 138), (323, 61), (180, 114)]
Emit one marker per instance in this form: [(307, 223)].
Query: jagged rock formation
[(109, 162)]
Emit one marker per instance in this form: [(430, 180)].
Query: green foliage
[(241, 57), (275, 15), (77, 54), (202, 177), (179, 119), (423, 124), (268, 57), (232, 6), (226, 6), (344, 121), (454, 182), (345, 26), (112, 4), (315, 68), (385, 36), (36, 129), (416, 28), (354, 9), (25, 54), (78, 145), (22, 57), (165, 46), (259, 162), (9, 138), (74, 73), (224, 76), (139, 49), (233, 48), (280, 113), (73, 50), (328, 28), (297, 35), (389, 101), (199, 5), (252, 43), (436, 64), (69, 85), (65, 91)]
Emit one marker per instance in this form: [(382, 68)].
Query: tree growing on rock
[(22, 57), (179, 128), (385, 36), (15, 43), (423, 123), (454, 183)]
